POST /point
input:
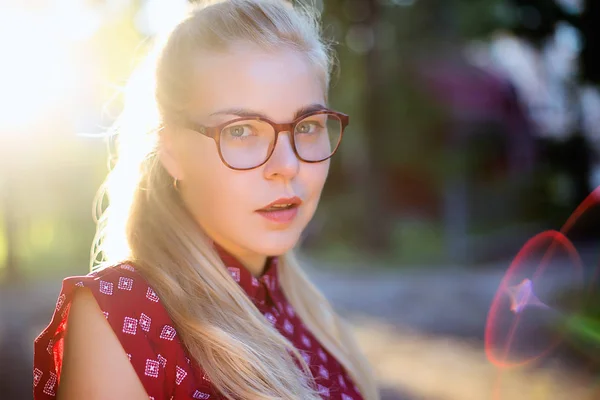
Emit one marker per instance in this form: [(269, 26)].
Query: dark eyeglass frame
[(214, 132)]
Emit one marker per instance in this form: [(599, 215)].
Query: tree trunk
[(376, 222)]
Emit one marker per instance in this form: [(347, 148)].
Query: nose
[(283, 161)]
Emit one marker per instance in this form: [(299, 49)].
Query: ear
[(169, 155)]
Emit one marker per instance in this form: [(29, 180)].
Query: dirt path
[(424, 333), (445, 368)]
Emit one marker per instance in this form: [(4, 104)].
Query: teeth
[(280, 205)]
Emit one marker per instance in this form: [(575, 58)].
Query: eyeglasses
[(248, 142)]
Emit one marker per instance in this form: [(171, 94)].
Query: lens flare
[(517, 312), (522, 296), (522, 304)]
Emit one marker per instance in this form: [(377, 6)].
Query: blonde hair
[(146, 222)]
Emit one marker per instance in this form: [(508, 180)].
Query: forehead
[(276, 84)]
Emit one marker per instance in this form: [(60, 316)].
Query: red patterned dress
[(149, 337)]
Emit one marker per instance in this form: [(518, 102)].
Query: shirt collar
[(260, 290)]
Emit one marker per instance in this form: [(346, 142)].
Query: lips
[(281, 211), (284, 203)]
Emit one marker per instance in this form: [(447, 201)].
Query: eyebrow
[(244, 112)]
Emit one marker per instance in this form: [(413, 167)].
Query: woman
[(199, 295)]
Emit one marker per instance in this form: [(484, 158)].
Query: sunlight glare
[(38, 75)]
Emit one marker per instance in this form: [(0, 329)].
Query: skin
[(223, 201), (97, 372)]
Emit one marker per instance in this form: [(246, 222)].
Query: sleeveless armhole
[(135, 315)]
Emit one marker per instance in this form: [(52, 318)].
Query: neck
[(256, 264), (253, 262)]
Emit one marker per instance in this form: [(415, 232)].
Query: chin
[(278, 243)]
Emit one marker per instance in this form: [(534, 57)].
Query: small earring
[(175, 184)]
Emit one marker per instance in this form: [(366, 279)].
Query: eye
[(237, 131), (307, 126)]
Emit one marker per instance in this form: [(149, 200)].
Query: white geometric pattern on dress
[(50, 384), (129, 356), (235, 273), (125, 283), (168, 332), (287, 325), (323, 391), (145, 322), (322, 355), (105, 314), (127, 267), (342, 381), (323, 372), (106, 287), (290, 310), (130, 326), (305, 340), (346, 397), (80, 284), (60, 301), (37, 375), (200, 395), (279, 306), (162, 361), (306, 356), (151, 295), (254, 282), (275, 311), (50, 346), (151, 368), (180, 374), (270, 318)]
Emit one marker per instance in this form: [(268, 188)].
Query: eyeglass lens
[(248, 143)]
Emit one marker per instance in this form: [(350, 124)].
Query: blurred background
[(475, 125)]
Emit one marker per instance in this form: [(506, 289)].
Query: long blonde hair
[(146, 222)]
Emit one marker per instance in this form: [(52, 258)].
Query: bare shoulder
[(95, 365)]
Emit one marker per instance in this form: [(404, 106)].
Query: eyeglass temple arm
[(207, 131)]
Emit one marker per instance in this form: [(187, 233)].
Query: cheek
[(206, 179), (216, 192), (315, 176)]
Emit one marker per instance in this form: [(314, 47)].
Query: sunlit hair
[(147, 224)]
